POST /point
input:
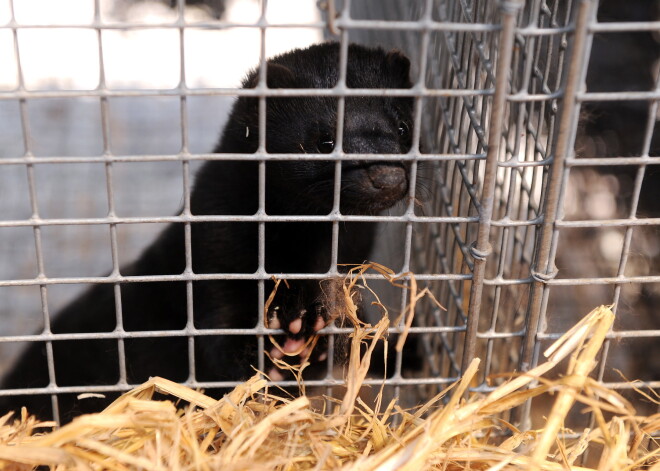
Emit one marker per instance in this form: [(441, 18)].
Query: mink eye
[(326, 144), (404, 129)]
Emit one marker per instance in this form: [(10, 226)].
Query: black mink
[(372, 125)]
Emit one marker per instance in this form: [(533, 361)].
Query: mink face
[(308, 125), (372, 125), (300, 125)]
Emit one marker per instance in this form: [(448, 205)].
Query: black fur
[(372, 125)]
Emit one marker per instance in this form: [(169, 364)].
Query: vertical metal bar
[(34, 206), (464, 176), (512, 200), (544, 261), (426, 19), (482, 248), (338, 151), (543, 268), (339, 143), (263, 67), (185, 168), (107, 153)]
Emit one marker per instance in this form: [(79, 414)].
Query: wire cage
[(517, 95), (534, 202)]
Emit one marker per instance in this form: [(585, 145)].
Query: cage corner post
[(543, 267), (481, 248)]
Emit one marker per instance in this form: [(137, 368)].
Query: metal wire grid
[(112, 220), (489, 186), (565, 160), (500, 237), (539, 129), (516, 183)]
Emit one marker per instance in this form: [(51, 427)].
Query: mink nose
[(384, 177)]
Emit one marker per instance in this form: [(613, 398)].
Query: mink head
[(372, 125)]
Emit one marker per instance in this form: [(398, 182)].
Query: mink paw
[(300, 325), (297, 323)]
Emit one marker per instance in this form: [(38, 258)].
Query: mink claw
[(319, 324), (273, 320)]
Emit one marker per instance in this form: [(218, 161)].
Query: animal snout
[(372, 187), (387, 177)]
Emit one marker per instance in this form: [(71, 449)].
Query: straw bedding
[(254, 428)]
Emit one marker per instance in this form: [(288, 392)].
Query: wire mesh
[(544, 120), (514, 220)]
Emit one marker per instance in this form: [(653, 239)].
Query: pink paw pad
[(275, 375), (291, 345), (276, 353), (296, 326)]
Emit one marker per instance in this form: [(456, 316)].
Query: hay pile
[(254, 429)]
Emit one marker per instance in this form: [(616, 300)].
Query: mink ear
[(277, 76), (399, 66)]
